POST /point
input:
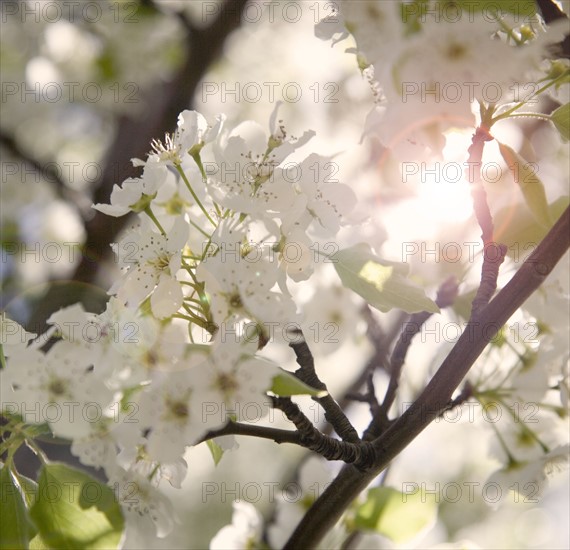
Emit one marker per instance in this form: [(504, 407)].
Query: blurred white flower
[(58, 387), (13, 336), (529, 478), (320, 198), (245, 531), (148, 512), (165, 408)]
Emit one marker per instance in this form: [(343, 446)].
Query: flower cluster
[(224, 224), (417, 101)]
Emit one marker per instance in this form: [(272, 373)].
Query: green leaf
[(381, 283), (216, 450), (561, 119), (29, 489), (286, 385), (37, 543), (398, 516), (73, 510), (16, 528), (516, 227), (530, 184)]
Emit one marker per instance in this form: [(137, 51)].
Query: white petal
[(167, 298)]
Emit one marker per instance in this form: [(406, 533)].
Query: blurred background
[(86, 86)]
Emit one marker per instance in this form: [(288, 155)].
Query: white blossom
[(239, 286), (151, 262), (320, 199), (136, 193), (148, 512), (165, 408), (13, 336), (529, 478), (245, 531), (331, 319), (58, 387), (233, 381), (192, 133), (245, 162)]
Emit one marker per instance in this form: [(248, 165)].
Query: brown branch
[(445, 297), (493, 254), (379, 359), (307, 374), (551, 12), (361, 453), (263, 432), (480, 206), (330, 506), (493, 257)]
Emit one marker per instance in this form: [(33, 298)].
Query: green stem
[(541, 116), (148, 211), (194, 196), (196, 226), (198, 161), (509, 31), (2, 358), (506, 114), (37, 451)]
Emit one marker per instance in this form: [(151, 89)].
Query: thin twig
[(493, 254), (480, 205), (307, 374), (361, 454), (445, 297), (382, 342), (263, 432)]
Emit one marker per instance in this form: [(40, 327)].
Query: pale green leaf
[(37, 543), (532, 188), (74, 510), (286, 385), (381, 283), (398, 516), (16, 528), (561, 119), (517, 228), (29, 489), (216, 451)]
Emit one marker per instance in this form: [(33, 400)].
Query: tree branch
[(330, 506), (333, 413), (264, 432), (445, 297), (493, 254), (361, 453)]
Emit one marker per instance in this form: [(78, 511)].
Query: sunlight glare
[(443, 192)]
